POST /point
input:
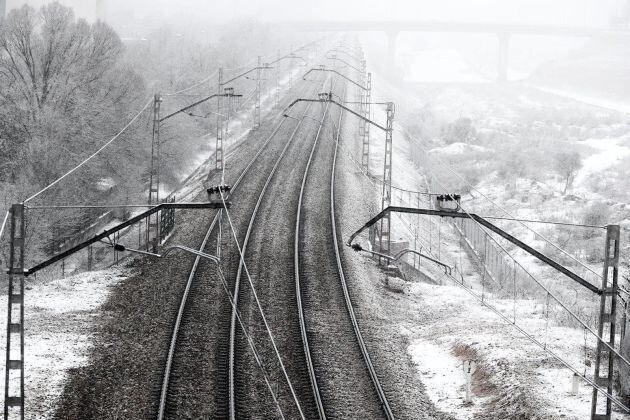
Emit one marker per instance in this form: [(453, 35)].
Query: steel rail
[(355, 325), (236, 294), (193, 271), (298, 290)]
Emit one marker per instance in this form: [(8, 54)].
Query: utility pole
[(604, 358), (258, 88), (385, 231), (362, 122), (229, 93), (153, 231), (219, 143), (365, 155), (14, 368)]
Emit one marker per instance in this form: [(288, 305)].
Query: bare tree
[(61, 91), (567, 164)]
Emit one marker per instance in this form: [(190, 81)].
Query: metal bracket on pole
[(14, 368), (219, 140), (385, 230), (153, 234), (604, 359)]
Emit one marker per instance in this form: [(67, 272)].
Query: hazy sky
[(575, 12)]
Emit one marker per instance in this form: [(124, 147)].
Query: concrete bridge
[(393, 28)]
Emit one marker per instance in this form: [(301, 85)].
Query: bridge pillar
[(3, 9), (392, 38), (504, 49)]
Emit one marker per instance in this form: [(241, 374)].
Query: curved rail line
[(298, 290), (355, 325), (236, 294), (166, 380)]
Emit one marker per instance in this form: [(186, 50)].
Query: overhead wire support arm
[(199, 102), (262, 67), (287, 57), (334, 57), (354, 57), (328, 98), (447, 269), (485, 223), (106, 233), (336, 72)]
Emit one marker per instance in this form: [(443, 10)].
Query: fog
[(565, 12)]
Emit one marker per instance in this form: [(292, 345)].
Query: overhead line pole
[(153, 221), (385, 231)]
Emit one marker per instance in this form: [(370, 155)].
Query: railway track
[(346, 379), (210, 371), (267, 256), (197, 347)]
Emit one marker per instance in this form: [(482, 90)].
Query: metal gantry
[(153, 231), (384, 234), (365, 151), (603, 378), (14, 372), (604, 359)]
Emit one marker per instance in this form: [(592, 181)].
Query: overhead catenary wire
[(260, 309), (4, 223), (549, 293), (250, 342), (89, 158), (199, 83), (536, 342), (537, 234)]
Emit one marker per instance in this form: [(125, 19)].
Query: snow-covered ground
[(60, 320), (61, 313), (599, 101), (608, 152), (518, 378)]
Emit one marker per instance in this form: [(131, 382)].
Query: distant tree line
[(67, 86)]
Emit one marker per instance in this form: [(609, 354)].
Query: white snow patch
[(610, 153), (588, 99), (459, 148), (443, 377), (59, 323)]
